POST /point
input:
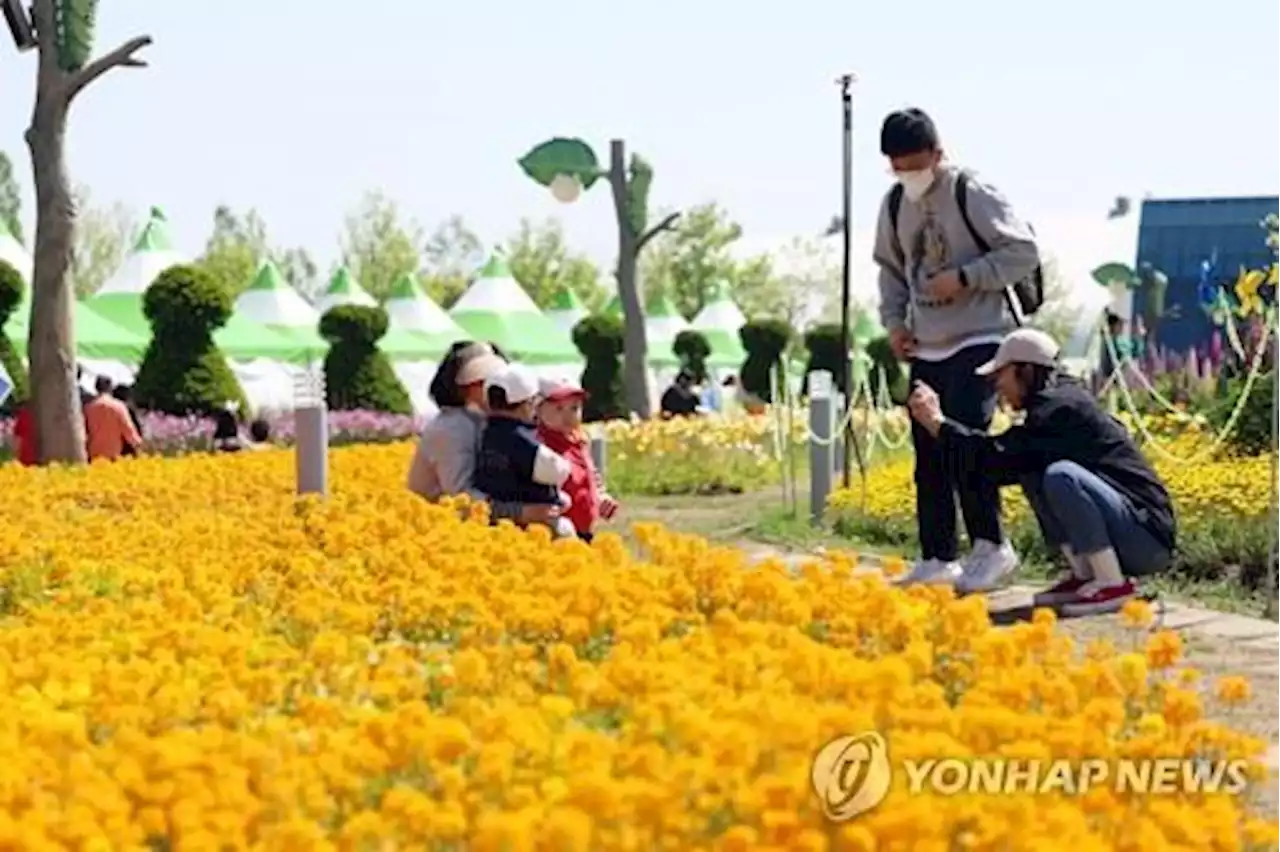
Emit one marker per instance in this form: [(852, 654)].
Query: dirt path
[(1216, 644)]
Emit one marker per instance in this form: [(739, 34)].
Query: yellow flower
[(1233, 690), (1137, 614)]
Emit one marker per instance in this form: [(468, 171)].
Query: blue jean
[(1076, 507)]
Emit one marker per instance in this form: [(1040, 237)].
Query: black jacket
[(505, 464), (1065, 423)]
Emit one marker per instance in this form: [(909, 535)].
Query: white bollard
[(311, 434), (821, 444), (598, 454)]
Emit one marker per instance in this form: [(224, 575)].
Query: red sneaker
[(1061, 592), (1094, 600)]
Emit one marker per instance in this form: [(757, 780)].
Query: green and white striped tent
[(497, 309), (152, 253), (662, 322), (15, 253), (342, 289), (719, 321), (409, 309), (270, 301), (565, 310)]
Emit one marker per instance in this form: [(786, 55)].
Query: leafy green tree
[(688, 262), (378, 246), (542, 263), (102, 240), (10, 198), (449, 258), (239, 245)]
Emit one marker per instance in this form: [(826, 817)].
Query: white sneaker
[(932, 572), (987, 566)]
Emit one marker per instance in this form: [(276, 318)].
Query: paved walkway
[(1244, 645)]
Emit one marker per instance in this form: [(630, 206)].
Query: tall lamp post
[(846, 82), (566, 167)]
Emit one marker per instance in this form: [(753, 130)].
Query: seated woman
[(226, 432), (1096, 497), (445, 461)]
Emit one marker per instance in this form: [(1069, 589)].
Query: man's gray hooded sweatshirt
[(932, 237)]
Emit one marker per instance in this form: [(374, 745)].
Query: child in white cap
[(513, 465)]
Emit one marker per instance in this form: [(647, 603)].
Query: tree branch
[(121, 57), (666, 224)]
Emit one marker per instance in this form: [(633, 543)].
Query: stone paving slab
[(1014, 602)]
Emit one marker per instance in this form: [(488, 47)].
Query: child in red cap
[(560, 430)]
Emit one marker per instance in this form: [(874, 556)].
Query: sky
[(300, 106)]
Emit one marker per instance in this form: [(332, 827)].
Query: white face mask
[(916, 184)]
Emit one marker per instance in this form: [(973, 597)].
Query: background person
[(943, 301), (1096, 497), (108, 426), (681, 399)]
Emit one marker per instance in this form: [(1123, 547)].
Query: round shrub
[(765, 341), (825, 353), (11, 287), (692, 348), (600, 340), (183, 371), (357, 374)]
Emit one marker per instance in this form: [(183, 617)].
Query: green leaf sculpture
[(561, 156), (76, 20), (1116, 273)]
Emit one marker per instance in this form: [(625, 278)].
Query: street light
[(846, 81), (567, 166)]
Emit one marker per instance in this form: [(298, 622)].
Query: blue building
[(1175, 235)]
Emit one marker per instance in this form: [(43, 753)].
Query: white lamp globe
[(566, 188)]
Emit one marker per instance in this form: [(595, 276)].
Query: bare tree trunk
[(55, 395), (635, 367), (51, 349)]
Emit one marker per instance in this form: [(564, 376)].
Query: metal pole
[(821, 443), (1273, 548), (599, 454), (850, 437)]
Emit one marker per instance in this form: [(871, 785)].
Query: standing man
[(108, 426), (949, 248)]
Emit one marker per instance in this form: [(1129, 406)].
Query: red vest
[(581, 484)]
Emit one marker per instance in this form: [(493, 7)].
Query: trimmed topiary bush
[(183, 371), (357, 374), (599, 339), (11, 287), (1252, 433), (825, 353), (765, 342), (692, 348)]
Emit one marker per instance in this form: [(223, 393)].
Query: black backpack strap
[(895, 207), (962, 201)]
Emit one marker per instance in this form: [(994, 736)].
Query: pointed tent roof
[(719, 321), (565, 309), (409, 309), (152, 253), (270, 300), (15, 253), (343, 290), (496, 308)]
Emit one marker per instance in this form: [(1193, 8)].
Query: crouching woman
[(1096, 497)]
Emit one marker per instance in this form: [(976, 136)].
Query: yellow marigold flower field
[(192, 658)]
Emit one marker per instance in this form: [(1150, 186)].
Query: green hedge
[(765, 342), (11, 288), (600, 340), (692, 348), (357, 374), (183, 371)]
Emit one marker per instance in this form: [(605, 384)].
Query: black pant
[(971, 400)]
